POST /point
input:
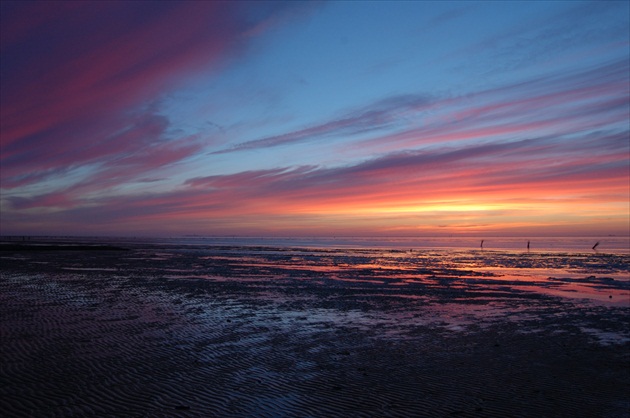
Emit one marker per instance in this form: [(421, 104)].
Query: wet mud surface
[(279, 332)]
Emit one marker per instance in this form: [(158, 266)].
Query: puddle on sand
[(606, 337), (610, 297)]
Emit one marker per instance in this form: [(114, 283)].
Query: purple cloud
[(376, 117), (76, 77)]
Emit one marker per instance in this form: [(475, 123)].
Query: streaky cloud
[(383, 114), (77, 76), (578, 99)]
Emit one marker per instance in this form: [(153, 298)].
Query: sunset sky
[(315, 118)]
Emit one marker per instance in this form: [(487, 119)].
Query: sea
[(609, 244)]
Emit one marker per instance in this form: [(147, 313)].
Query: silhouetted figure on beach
[(527, 246), (596, 244)]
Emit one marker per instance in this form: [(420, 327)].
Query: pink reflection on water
[(591, 293)]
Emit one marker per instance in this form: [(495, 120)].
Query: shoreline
[(58, 247), (613, 245)]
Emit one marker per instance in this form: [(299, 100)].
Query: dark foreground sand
[(132, 334)]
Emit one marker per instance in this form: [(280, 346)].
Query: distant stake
[(481, 246), (528, 246), (596, 244)]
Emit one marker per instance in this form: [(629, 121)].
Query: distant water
[(572, 245), (611, 245)]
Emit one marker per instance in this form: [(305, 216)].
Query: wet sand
[(232, 332)]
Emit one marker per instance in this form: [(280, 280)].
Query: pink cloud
[(49, 200), (376, 117), (105, 70), (531, 168), (507, 175), (527, 171), (558, 104), (250, 179), (80, 81), (77, 74), (141, 146)]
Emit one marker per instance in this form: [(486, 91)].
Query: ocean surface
[(606, 245)]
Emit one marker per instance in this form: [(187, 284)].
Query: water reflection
[(452, 289)]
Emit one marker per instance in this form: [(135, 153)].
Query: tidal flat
[(163, 330)]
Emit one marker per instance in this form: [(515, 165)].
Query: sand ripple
[(134, 342)]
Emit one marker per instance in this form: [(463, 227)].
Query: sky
[(360, 118)]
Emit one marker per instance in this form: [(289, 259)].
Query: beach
[(140, 329)]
